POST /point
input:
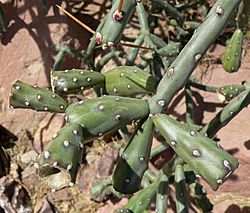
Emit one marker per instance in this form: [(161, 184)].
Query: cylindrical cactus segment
[(141, 201), (76, 80), (123, 210), (171, 50), (243, 15), (162, 194), (181, 194), (157, 41), (105, 114), (233, 53), (199, 194), (32, 97), (134, 160), (202, 154), (223, 117), (3, 21), (98, 189), (62, 156), (228, 92), (129, 81), (115, 23), (185, 63)]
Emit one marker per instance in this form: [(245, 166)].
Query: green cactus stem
[(58, 60), (243, 15), (142, 200), (33, 97), (233, 53), (159, 149), (129, 81), (227, 113), (123, 210), (60, 160), (189, 105), (158, 41), (76, 80), (169, 9), (180, 70), (3, 21), (134, 160), (185, 5), (199, 193), (195, 149), (97, 190), (202, 86), (228, 92), (134, 51), (62, 50), (116, 21), (170, 50), (191, 25), (162, 194), (142, 18), (181, 194), (105, 59), (180, 32), (89, 56), (105, 114)]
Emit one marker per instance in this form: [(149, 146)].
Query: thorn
[(119, 10), (77, 20)]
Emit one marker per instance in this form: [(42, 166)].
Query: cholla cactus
[(196, 154)]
